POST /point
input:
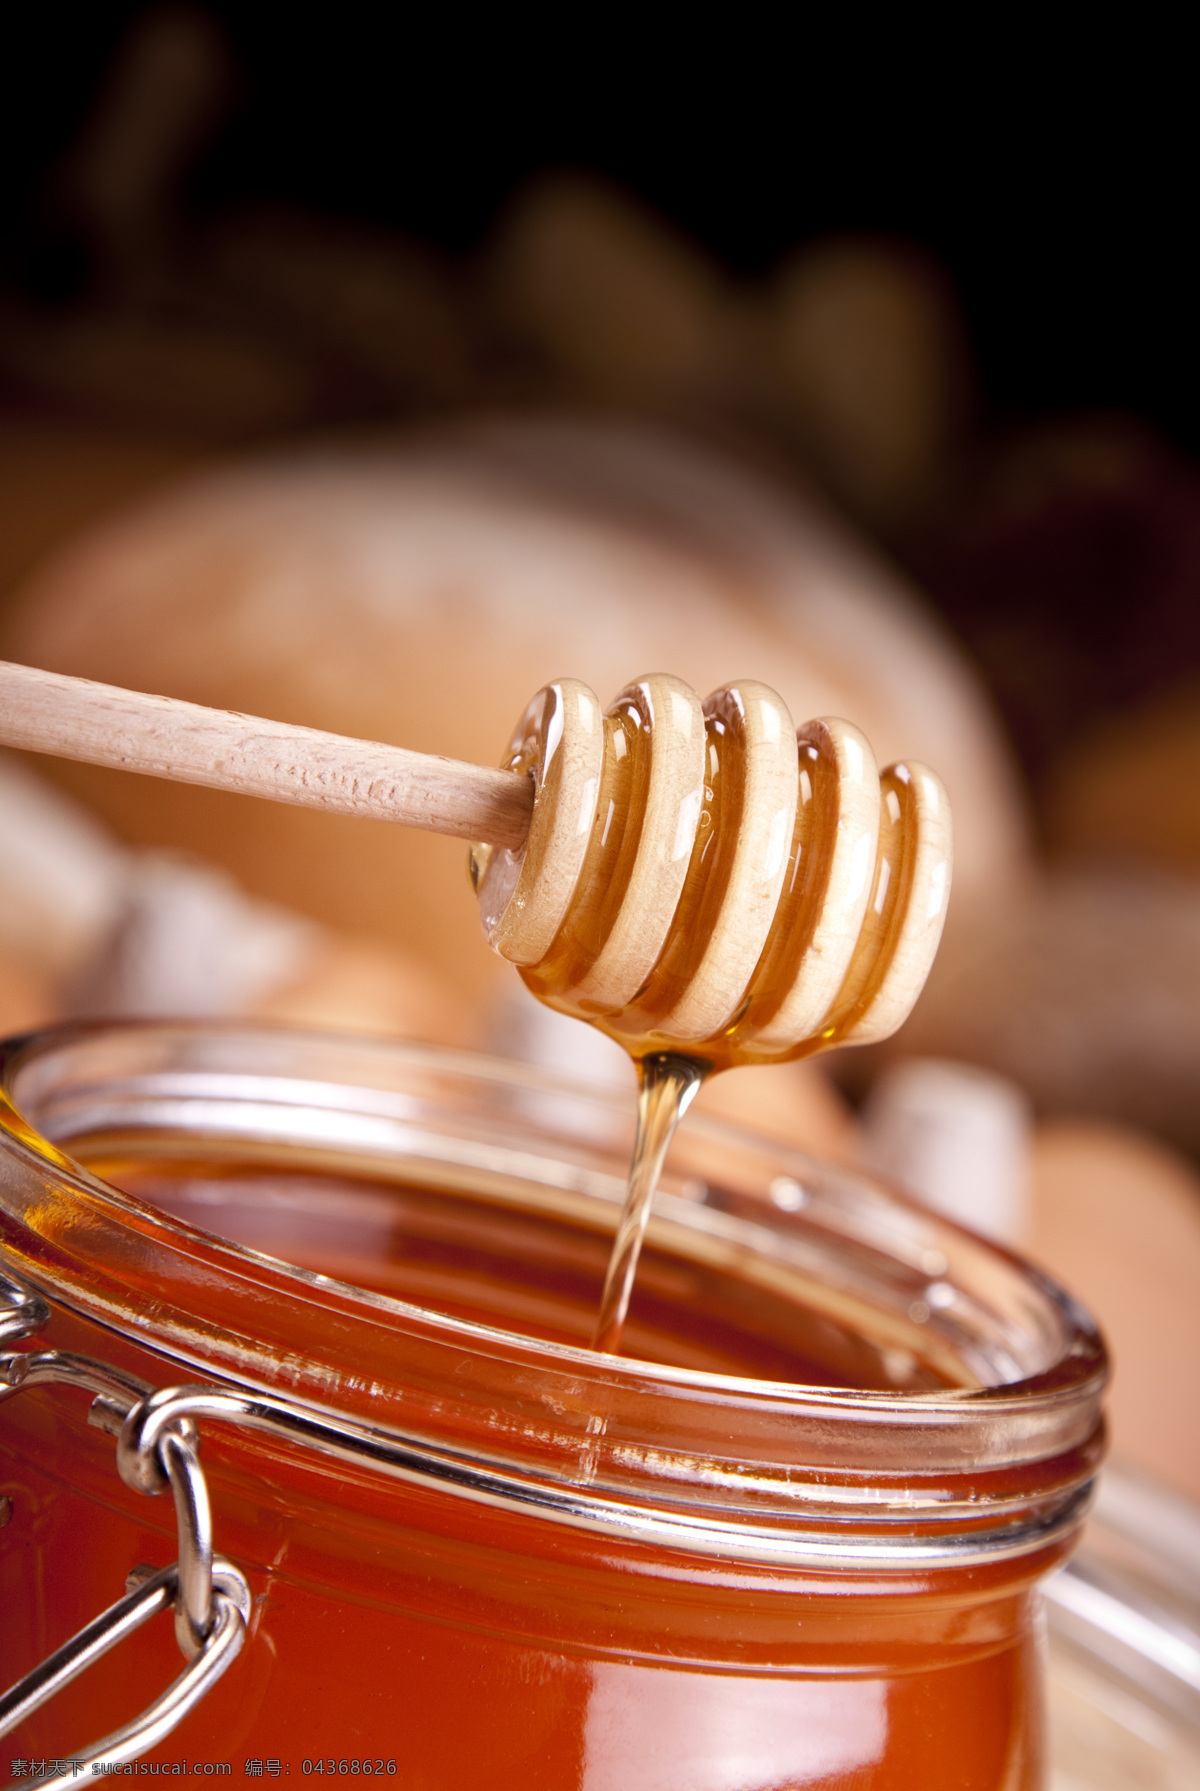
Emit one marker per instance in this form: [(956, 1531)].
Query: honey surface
[(522, 1270), (472, 1647)]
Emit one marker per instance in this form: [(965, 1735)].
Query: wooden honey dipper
[(706, 883)]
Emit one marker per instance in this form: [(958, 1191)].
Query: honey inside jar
[(792, 1537), (524, 1267)]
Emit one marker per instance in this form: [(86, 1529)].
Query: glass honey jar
[(323, 1305)]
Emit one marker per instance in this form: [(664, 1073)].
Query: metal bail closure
[(209, 1596), (149, 1594)]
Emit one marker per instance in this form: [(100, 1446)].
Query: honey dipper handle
[(73, 718)]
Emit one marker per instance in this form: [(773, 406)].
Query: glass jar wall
[(792, 1536)]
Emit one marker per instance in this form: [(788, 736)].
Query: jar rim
[(866, 1456)]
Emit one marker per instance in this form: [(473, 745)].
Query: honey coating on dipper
[(564, 977), (743, 899)]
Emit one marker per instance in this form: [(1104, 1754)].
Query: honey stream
[(667, 1085)]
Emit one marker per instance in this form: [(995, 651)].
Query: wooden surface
[(163, 737)]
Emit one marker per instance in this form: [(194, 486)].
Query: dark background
[(1053, 174)]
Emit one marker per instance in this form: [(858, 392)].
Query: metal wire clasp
[(209, 1596)]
